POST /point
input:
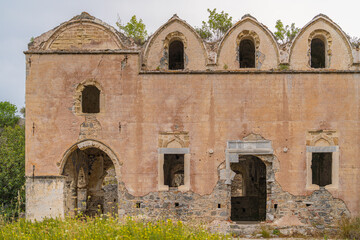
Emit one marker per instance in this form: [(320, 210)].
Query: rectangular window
[(174, 170), (321, 166)]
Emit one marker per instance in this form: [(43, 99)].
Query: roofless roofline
[(41, 42)]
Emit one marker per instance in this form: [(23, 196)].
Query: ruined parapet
[(82, 32)]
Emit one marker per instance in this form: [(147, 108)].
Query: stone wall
[(177, 205), (318, 209)]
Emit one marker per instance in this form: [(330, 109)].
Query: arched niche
[(84, 34), (248, 43), (91, 171), (78, 97), (155, 55), (338, 50), (266, 48)]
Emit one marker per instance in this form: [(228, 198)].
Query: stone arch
[(247, 32), (325, 35), (157, 40), (173, 36), (91, 171), (91, 143), (77, 107), (99, 36)]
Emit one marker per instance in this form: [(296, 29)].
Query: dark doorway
[(248, 199), (174, 170), (90, 183), (247, 54), (176, 55), (317, 53), (321, 167), (90, 101)]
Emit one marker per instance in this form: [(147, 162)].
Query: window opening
[(176, 55), (317, 53), (174, 170), (321, 166), (90, 101), (247, 54)]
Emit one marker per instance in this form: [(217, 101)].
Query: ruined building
[(242, 129)]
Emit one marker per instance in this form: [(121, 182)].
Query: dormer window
[(317, 53), (247, 54), (90, 99), (176, 55)]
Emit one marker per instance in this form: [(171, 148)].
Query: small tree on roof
[(285, 34), (135, 29), (216, 26)]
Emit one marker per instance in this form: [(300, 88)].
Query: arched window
[(317, 53), (90, 99), (176, 55), (247, 54)]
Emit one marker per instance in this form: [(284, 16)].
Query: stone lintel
[(322, 148), (174, 150)]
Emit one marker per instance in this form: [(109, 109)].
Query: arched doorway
[(91, 185), (248, 189)]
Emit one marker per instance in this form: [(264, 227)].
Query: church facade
[(243, 129)]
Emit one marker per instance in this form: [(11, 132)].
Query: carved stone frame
[(173, 36), (261, 149), (254, 37), (173, 143), (327, 39), (324, 141)]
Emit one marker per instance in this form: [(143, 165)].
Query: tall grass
[(349, 228), (102, 228)]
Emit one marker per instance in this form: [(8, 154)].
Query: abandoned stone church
[(243, 129)]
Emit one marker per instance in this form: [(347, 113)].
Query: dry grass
[(102, 228)]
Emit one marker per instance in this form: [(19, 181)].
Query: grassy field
[(102, 228)]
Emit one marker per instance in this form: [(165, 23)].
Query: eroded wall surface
[(44, 197), (205, 104), (212, 108)]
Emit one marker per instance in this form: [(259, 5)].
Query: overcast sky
[(22, 19)]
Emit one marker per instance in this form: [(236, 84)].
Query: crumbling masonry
[(242, 129)]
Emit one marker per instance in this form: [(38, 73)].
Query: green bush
[(12, 170), (102, 228)]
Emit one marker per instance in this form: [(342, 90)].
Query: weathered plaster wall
[(210, 107), (213, 108), (194, 50), (340, 51), (44, 197), (267, 52)]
